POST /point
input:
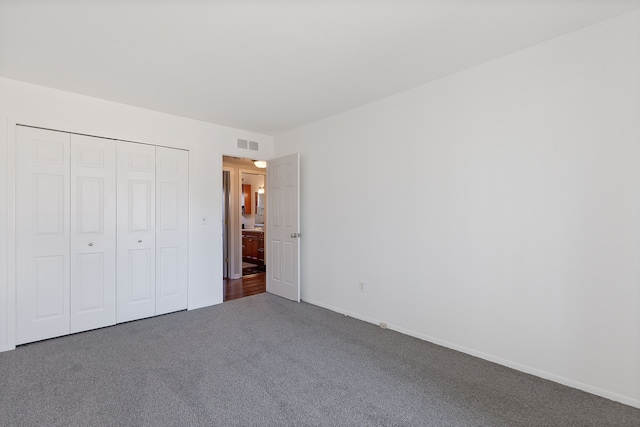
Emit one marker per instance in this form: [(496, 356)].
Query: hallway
[(245, 286)]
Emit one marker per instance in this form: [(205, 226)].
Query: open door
[(283, 227)]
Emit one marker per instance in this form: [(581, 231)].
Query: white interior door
[(42, 234), (93, 233), (283, 227), (172, 229), (136, 255)]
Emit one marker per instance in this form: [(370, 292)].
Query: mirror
[(259, 210), (254, 213)]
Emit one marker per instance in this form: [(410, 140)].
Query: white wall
[(503, 216), (39, 106)]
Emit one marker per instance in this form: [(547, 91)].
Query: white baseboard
[(508, 363), (7, 348)]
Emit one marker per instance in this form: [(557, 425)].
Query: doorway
[(244, 205), (252, 227)]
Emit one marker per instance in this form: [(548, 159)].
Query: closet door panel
[(136, 228), (42, 234), (93, 233), (172, 241)]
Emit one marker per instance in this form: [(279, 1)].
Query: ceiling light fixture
[(260, 164), (260, 190)]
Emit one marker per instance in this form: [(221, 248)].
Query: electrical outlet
[(361, 286)]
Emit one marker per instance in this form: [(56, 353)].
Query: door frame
[(235, 226), (232, 234), (226, 223), (11, 267)]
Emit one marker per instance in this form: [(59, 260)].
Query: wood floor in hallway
[(247, 285)]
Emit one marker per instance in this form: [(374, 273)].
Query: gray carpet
[(265, 361)]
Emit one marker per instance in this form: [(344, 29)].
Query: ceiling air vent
[(253, 145), (242, 143)]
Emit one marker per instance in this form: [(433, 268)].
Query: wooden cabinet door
[(261, 249), (246, 194), (253, 249), (244, 246)]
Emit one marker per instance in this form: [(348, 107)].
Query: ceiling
[(269, 66), (245, 163)]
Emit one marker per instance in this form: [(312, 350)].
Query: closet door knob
[(90, 244), (139, 241)]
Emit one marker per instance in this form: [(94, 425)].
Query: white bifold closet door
[(42, 234), (172, 229), (136, 263), (153, 229), (65, 233), (101, 232), (93, 233)]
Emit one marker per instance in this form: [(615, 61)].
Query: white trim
[(230, 234), (4, 300), (11, 233), (504, 362), (235, 263)]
